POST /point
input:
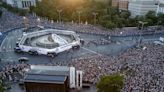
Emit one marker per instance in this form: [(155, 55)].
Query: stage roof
[(49, 70), (36, 78)]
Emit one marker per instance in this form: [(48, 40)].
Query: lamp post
[(25, 22), (157, 28), (142, 23), (79, 16), (94, 14), (59, 12), (38, 20), (52, 22)]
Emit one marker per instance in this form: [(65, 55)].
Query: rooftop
[(49, 70), (45, 78)]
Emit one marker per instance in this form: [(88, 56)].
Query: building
[(115, 3), (120, 4), (141, 7), (24, 4), (160, 8), (46, 83), (52, 79), (123, 4)]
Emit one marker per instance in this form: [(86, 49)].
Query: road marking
[(11, 60), (8, 44), (92, 51), (2, 43), (8, 51)]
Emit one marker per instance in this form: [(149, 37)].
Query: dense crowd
[(13, 72), (10, 21), (142, 66)]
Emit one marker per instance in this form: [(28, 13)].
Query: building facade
[(141, 7), (115, 3), (23, 4), (160, 8), (121, 4)]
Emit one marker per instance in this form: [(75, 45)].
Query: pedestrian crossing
[(8, 44)]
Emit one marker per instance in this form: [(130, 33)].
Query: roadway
[(121, 44)]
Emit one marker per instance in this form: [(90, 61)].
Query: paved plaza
[(111, 47), (114, 48)]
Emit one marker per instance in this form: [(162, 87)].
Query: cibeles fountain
[(49, 41)]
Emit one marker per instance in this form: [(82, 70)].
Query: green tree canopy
[(160, 19), (125, 14), (1, 88), (107, 16), (151, 18), (113, 83)]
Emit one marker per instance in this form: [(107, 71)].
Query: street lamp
[(72, 22), (59, 12), (38, 20), (24, 18), (52, 22), (142, 23), (79, 15), (94, 14), (157, 27), (25, 22), (86, 22)]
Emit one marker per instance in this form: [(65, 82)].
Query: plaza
[(96, 45), (104, 52)]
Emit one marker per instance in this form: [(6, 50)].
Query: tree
[(1, 88), (113, 83), (151, 18), (125, 14), (161, 19), (109, 24), (131, 22)]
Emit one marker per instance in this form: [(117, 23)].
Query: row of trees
[(89, 10), (1, 88), (85, 10), (92, 11)]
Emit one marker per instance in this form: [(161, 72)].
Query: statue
[(50, 38)]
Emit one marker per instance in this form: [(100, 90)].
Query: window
[(30, 3), (23, 4)]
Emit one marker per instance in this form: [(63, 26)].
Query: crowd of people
[(13, 72), (10, 21), (142, 66)]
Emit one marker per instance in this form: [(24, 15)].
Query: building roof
[(49, 70), (47, 74), (45, 79)]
